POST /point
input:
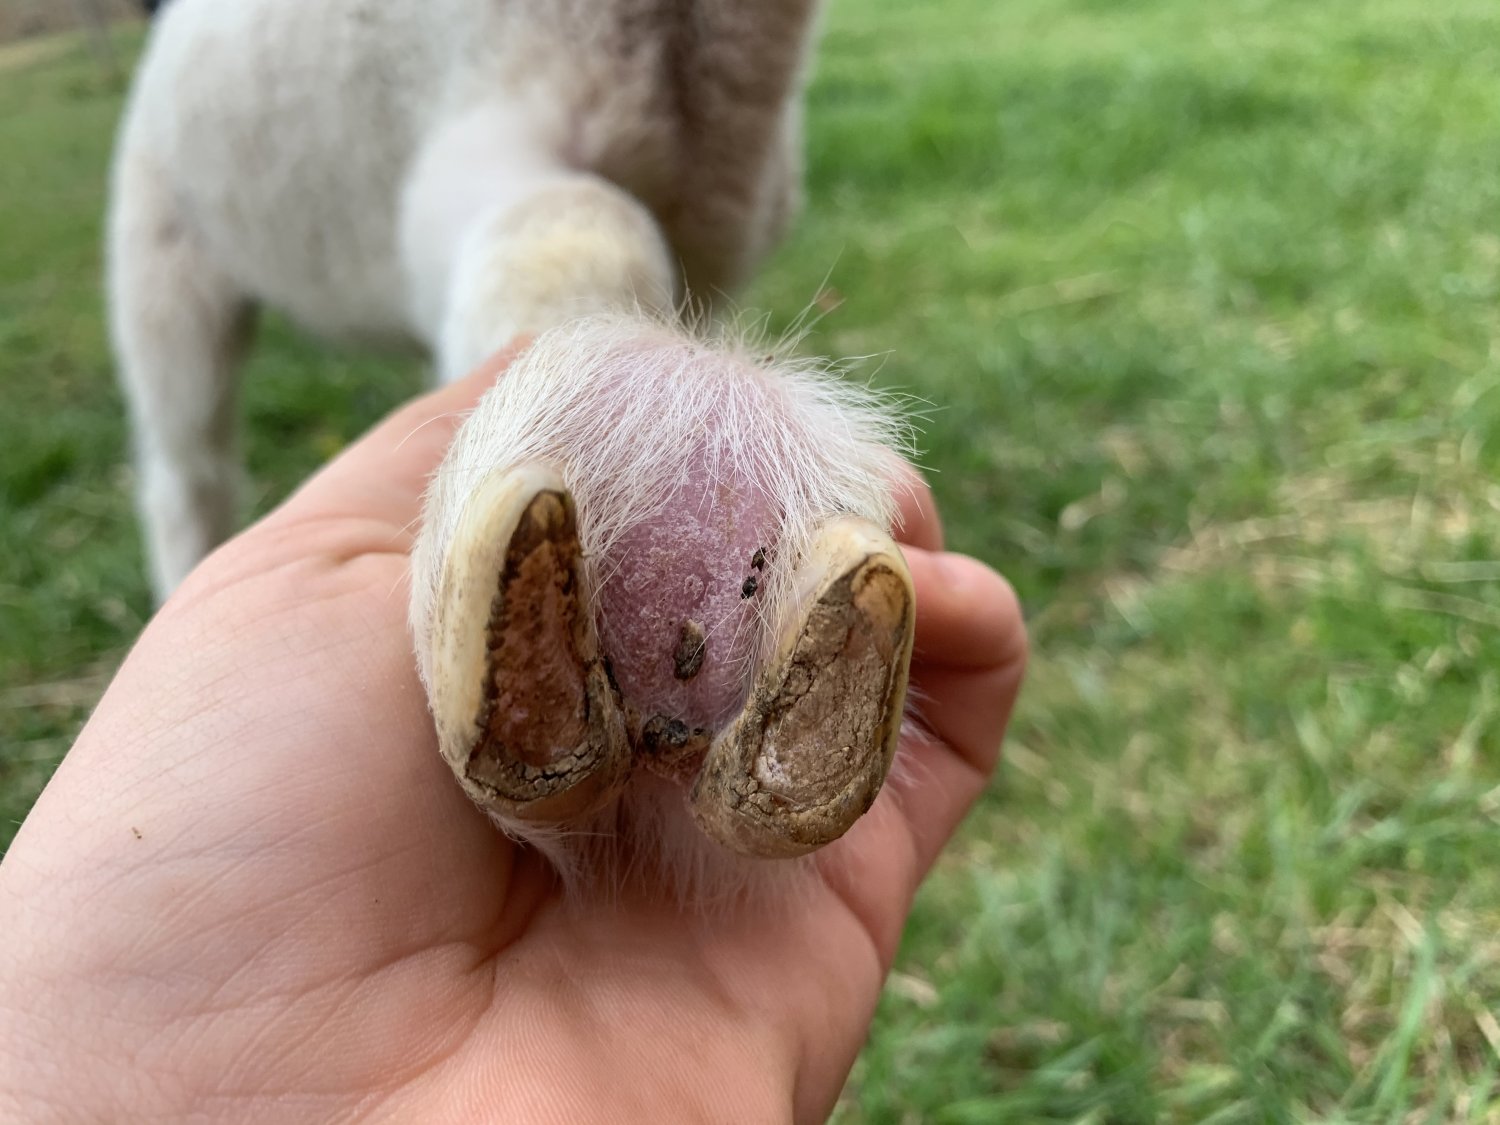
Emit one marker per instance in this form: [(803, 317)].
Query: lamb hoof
[(807, 756), (526, 713)]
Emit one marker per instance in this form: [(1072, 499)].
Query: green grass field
[(1205, 299)]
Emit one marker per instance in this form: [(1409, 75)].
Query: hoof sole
[(527, 715)]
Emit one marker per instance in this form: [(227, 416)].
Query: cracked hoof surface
[(812, 747), (527, 715)]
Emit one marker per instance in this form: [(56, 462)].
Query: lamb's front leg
[(653, 564), (647, 552), (527, 249), (178, 325)]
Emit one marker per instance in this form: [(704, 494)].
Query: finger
[(383, 475), (968, 616), (966, 675), (964, 682), (917, 521), (970, 654)]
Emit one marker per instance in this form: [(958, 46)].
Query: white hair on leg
[(574, 246)]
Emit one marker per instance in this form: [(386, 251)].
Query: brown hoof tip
[(526, 714), (808, 755)]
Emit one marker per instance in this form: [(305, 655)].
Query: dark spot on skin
[(687, 657), (662, 733), (751, 584), (758, 560), (672, 740)]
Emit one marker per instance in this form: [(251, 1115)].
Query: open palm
[(253, 892)]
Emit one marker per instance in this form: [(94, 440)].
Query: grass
[(1205, 300)]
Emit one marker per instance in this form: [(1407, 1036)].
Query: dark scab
[(662, 733), (750, 585), (692, 644), (758, 560), (672, 740)]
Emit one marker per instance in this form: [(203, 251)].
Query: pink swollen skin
[(693, 571)]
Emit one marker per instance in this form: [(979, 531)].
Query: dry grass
[(33, 19)]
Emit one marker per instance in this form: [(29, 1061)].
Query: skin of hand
[(253, 891)]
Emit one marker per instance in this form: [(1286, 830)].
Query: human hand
[(253, 892)]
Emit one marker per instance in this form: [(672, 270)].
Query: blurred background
[(1202, 299)]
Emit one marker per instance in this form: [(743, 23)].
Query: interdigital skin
[(654, 598)]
